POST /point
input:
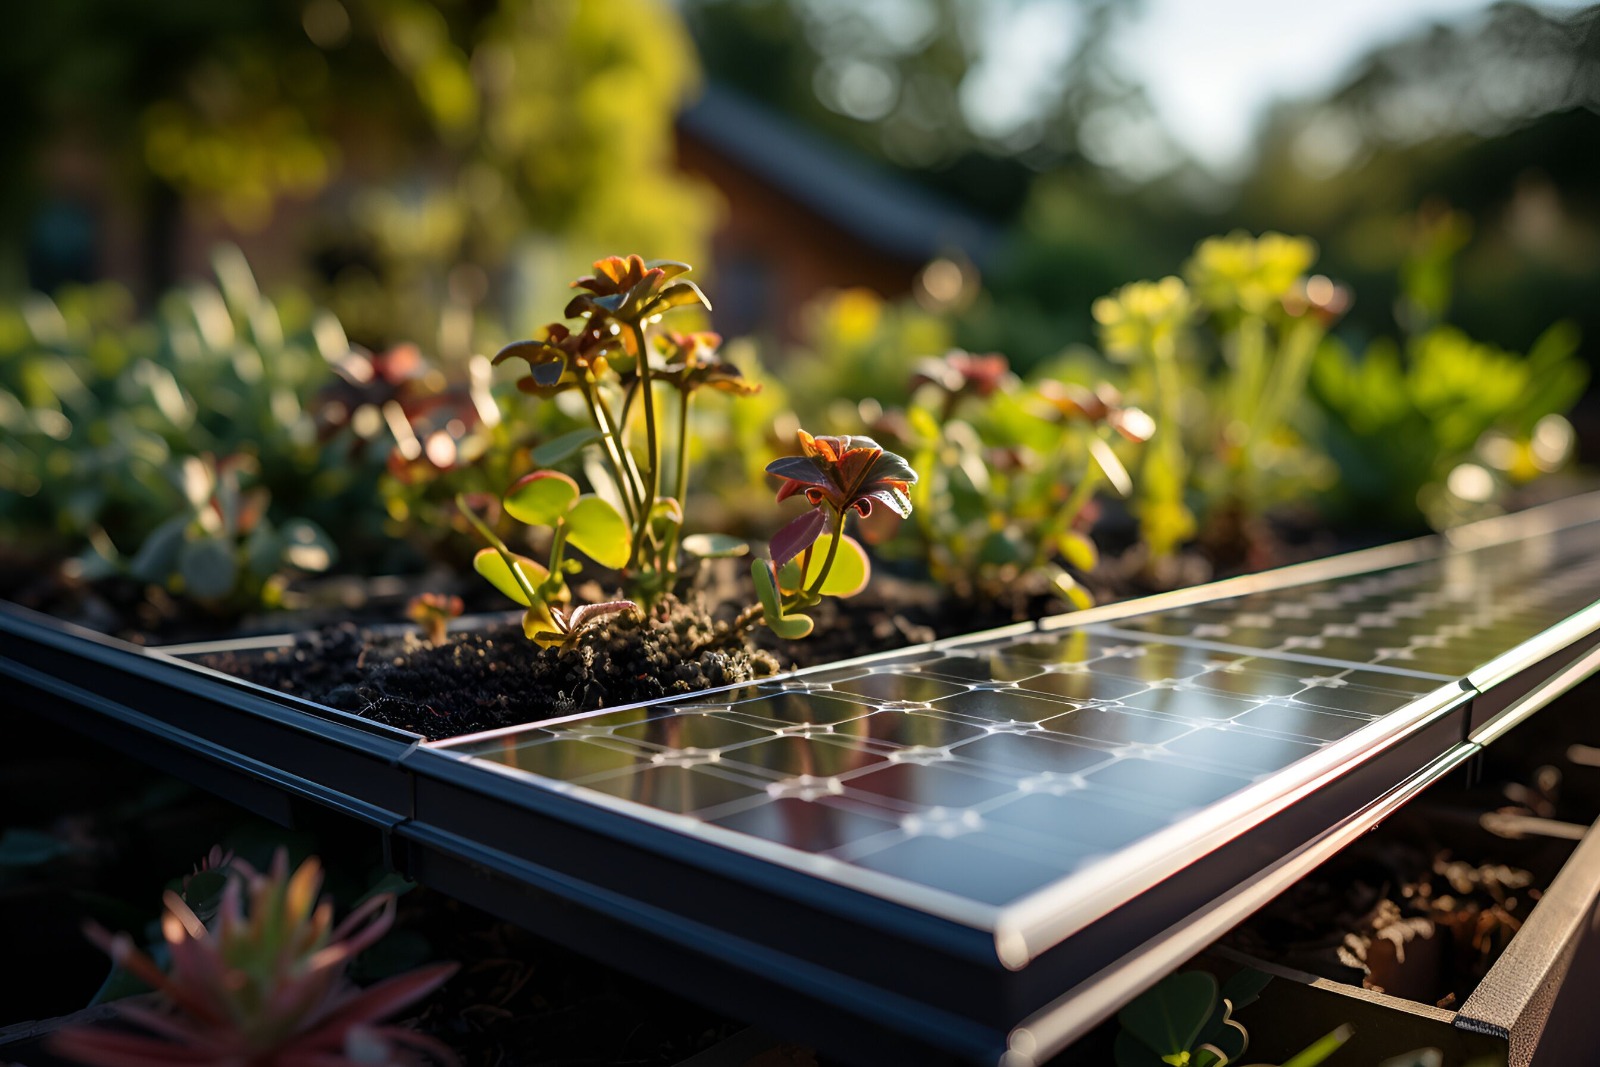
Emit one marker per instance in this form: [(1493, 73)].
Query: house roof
[(883, 209)]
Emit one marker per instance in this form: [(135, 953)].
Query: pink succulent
[(263, 986)]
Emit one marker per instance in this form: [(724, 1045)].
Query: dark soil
[(519, 1001), (483, 679)]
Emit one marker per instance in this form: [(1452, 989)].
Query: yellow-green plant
[(1223, 355)]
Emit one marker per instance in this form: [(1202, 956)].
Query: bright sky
[(1213, 66)]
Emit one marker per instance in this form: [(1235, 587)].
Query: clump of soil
[(483, 679)]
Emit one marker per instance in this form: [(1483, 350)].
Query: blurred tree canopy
[(1493, 118), (426, 136), (929, 86)]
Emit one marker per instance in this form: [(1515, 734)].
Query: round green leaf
[(540, 498), (1169, 1017), (208, 568), (158, 556), (489, 563), (599, 531), (850, 571), (714, 546), (848, 576)]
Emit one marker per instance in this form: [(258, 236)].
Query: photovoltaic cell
[(991, 770)]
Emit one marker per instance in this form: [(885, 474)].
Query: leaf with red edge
[(540, 498)]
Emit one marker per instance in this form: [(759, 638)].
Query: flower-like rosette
[(693, 363), (844, 473), (630, 289), (562, 358)]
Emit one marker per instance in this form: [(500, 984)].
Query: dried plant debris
[(483, 679), (1398, 919)]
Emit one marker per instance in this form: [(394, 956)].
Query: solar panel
[(1044, 786), (968, 851)]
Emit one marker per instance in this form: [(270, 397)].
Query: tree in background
[(414, 151)]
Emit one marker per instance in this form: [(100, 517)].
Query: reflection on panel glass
[(997, 767)]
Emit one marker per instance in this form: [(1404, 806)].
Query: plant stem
[(500, 547), (620, 422), (1292, 367), (1064, 517), (681, 484), (625, 487), (827, 561), (652, 445)]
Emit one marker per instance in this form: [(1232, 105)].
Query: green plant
[(616, 365), (1187, 1020), (220, 549), (262, 983), (1439, 424), (1012, 470), (116, 431), (836, 476), (1223, 355)]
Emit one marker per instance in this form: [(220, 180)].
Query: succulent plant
[(263, 985)]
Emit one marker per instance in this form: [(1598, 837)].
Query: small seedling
[(433, 612), (837, 476)]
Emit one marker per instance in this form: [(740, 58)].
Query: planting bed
[(969, 851)]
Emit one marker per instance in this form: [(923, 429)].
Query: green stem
[(499, 546), (681, 483), (1064, 517), (652, 445), (1292, 368), (1169, 386), (613, 449), (620, 422), (827, 561)]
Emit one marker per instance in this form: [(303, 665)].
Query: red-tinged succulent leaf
[(535, 352), (893, 497), (797, 536), (275, 977), (385, 998), (108, 1048), (618, 274)]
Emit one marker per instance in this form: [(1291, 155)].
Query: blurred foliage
[(455, 152), (1222, 356), (107, 417), (1011, 471), (1440, 424)]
